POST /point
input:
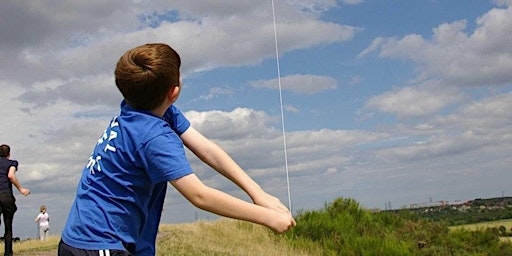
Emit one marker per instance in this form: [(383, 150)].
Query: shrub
[(343, 227)]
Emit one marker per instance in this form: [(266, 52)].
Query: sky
[(388, 102)]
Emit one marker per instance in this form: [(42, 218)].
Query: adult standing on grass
[(120, 196), (43, 221), (8, 207)]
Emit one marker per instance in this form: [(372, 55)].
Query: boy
[(8, 206), (120, 196)]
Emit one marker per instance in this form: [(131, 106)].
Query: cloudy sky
[(387, 102)]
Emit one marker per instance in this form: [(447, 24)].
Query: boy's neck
[(160, 111), (170, 98)]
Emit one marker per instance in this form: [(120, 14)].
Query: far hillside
[(467, 212)]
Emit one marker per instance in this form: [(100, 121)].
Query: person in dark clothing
[(8, 207)]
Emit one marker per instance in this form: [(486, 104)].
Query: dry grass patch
[(224, 237), (35, 247)]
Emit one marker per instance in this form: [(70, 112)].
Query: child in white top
[(44, 223)]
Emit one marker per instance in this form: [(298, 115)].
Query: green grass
[(488, 224), (344, 228), (341, 228), (35, 247)]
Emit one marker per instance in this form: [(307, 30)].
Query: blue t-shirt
[(122, 190)]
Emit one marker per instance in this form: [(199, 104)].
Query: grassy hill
[(226, 237), (341, 228), (221, 237)]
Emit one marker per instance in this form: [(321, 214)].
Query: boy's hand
[(282, 222), (24, 191), (269, 201)]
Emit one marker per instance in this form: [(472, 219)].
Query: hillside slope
[(220, 237)]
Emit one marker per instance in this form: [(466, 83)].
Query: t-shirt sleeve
[(166, 158), (15, 164), (176, 120)]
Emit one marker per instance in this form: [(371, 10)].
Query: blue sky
[(387, 102)]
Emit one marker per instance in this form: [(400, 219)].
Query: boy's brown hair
[(5, 150), (145, 74)]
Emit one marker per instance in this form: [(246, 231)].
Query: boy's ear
[(174, 93)]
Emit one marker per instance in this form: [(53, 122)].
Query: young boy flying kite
[(121, 193)]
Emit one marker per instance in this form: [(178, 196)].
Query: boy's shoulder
[(7, 163), (13, 162), (139, 126)]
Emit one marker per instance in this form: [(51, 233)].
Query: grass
[(35, 247), (224, 237), (488, 224), (220, 237)]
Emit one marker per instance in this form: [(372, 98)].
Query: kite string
[(282, 110)]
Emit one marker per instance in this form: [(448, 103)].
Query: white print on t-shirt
[(94, 161)]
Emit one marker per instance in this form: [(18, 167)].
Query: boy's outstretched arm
[(12, 177), (218, 159), (223, 204)]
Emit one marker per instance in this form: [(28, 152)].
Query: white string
[(281, 104)]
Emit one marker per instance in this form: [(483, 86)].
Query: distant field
[(488, 224)]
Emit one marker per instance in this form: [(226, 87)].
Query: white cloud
[(331, 170), (313, 6), (83, 37), (414, 101), (215, 91), (374, 46), (466, 135), (291, 109), (221, 125), (490, 115), (250, 137), (307, 84), (478, 59), (503, 2), (352, 2)]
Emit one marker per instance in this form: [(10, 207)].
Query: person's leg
[(2, 213), (8, 208), (41, 233), (8, 217)]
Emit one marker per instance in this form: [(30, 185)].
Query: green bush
[(343, 227)]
